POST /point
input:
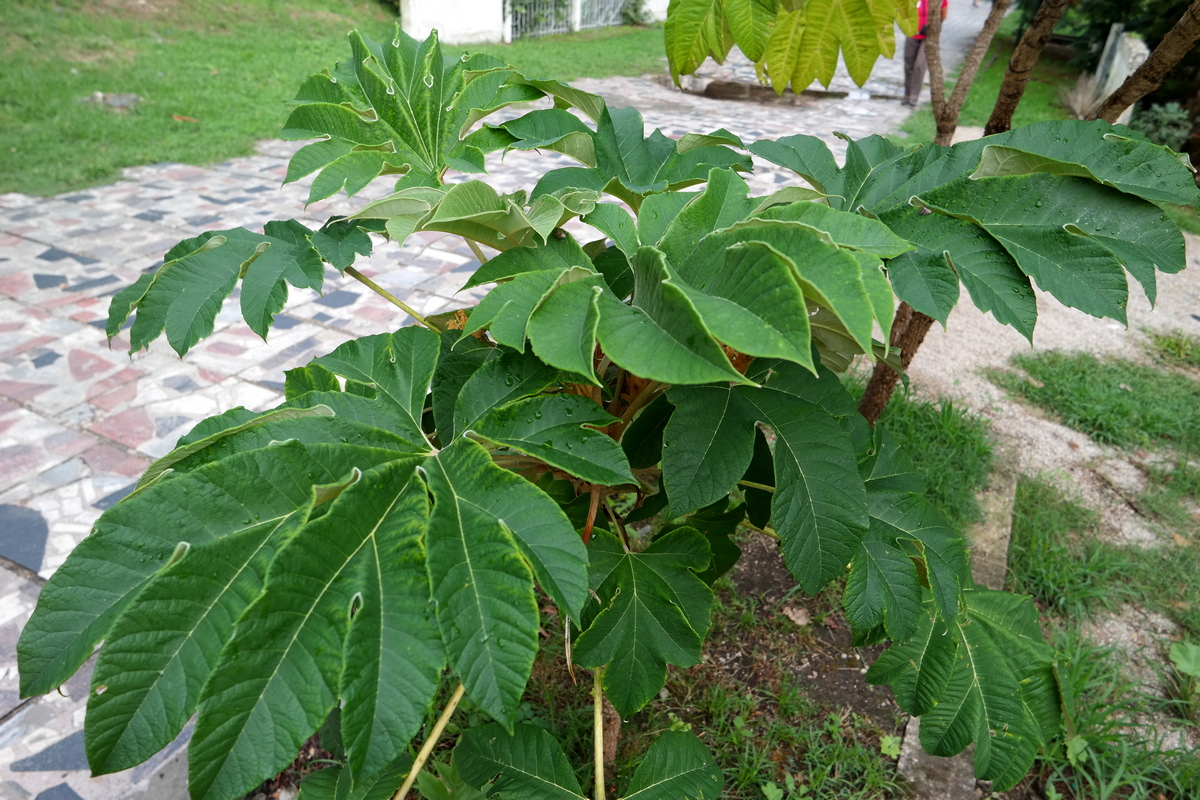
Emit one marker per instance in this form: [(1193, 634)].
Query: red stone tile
[(377, 313), (18, 461), (5, 327), (85, 365), (130, 427), (114, 460), (110, 392), (36, 313), (19, 390), (225, 349), (211, 376), (15, 284)]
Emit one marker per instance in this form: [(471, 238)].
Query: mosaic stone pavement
[(79, 421)]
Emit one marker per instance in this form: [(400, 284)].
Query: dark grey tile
[(23, 535), (65, 754)]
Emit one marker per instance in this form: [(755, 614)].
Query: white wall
[(658, 8), (456, 21)]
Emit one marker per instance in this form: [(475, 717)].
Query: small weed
[(1175, 347), (1106, 750), (1055, 557), (1115, 402), (771, 737)]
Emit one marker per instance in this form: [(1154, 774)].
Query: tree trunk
[(946, 113), (1023, 60), (1149, 76), (907, 337)]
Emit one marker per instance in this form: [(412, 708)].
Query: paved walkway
[(79, 422)]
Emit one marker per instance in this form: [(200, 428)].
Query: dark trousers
[(914, 69)]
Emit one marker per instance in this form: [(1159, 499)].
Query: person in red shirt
[(915, 64)]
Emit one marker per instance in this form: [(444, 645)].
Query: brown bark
[(1021, 64), (884, 379), (1150, 75), (946, 113)]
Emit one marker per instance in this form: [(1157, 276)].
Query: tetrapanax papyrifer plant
[(596, 429)]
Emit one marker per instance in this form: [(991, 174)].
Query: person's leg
[(915, 66)]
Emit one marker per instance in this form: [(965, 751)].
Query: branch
[(1023, 59), (430, 742), (1150, 75), (947, 118), (933, 59)]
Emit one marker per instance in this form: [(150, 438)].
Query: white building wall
[(456, 21), (472, 21), (658, 8)]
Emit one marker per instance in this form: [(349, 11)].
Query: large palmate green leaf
[(1094, 149), (551, 428), (132, 541), (653, 611), (676, 765), (400, 367), (628, 163), (337, 783), (490, 533), (281, 672), (184, 295), (524, 764), (818, 507), (1073, 236), (529, 764), (398, 107), (986, 677), (661, 336)]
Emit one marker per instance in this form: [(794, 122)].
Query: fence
[(542, 17)]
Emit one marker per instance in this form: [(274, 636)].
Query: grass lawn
[(213, 77), (1039, 103), (1058, 557)]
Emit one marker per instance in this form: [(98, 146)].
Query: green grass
[(1040, 101), (1055, 557), (1113, 753), (229, 65), (623, 50), (1175, 347), (1115, 402)]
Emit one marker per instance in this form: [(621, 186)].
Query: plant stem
[(753, 485), (598, 727), (649, 392), (386, 295), (471, 243), (617, 523), (767, 531), (620, 387), (430, 742)]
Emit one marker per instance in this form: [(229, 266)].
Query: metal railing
[(543, 17)]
